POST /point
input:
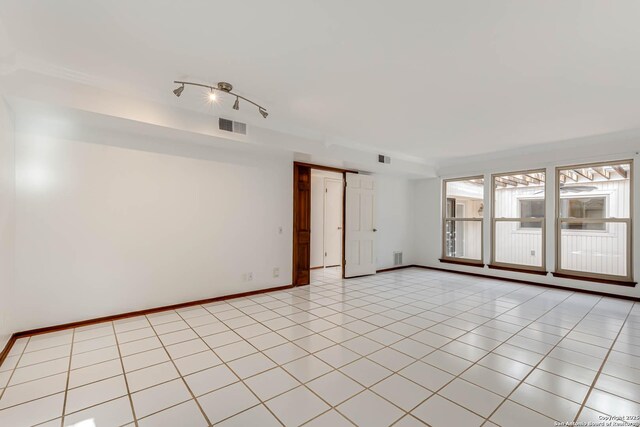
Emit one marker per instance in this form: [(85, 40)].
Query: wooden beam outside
[(620, 171)]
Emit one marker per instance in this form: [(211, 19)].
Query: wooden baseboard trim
[(398, 267), (7, 348), (596, 280), (518, 270), (113, 317), (527, 282), (461, 262)]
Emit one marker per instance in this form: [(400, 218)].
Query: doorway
[(302, 221), (327, 189), (357, 233)]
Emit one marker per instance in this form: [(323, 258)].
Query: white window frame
[(560, 271), (445, 219), (532, 268)]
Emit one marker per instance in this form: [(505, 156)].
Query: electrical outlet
[(249, 277), (276, 272), (533, 252)]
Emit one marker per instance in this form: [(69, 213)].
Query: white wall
[(104, 229), (7, 222), (394, 219), (427, 193)]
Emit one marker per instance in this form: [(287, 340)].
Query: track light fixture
[(178, 91), (220, 87)]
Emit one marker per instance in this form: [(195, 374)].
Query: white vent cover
[(397, 258), (231, 126)]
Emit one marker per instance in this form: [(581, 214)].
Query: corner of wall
[(7, 219)]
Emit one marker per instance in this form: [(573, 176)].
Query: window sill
[(518, 270), (596, 280), (462, 262)]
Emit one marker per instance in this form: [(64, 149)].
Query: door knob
[(339, 228), (375, 229)]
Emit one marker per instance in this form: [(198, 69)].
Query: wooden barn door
[(301, 224)]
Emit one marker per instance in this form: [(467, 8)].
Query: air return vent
[(231, 126), (397, 258), (384, 159)]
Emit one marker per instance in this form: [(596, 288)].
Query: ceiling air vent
[(231, 126), (384, 159)]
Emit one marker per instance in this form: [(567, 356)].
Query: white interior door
[(360, 238), (332, 222)]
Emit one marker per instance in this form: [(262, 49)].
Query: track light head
[(178, 91), (263, 112), (236, 105)]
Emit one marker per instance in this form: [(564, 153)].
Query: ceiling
[(433, 80)]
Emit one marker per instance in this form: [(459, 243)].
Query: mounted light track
[(220, 87)]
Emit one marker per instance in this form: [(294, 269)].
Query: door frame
[(295, 279)]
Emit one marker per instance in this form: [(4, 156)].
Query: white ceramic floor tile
[(32, 390), (234, 351), (426, 375), (150, 376), (365, 372), (285, 353), (490, 380), (472, 397), (391, 359), (185, 414), (297, 406), (368, 409), (512, 414), (256, 416), (404, 334), (93, 373), (227, 402), (440, 412), (544, 402), (39, 370), (337, 356), (197, 362), (251, 365), (335, 387), (113, 413), (34, 412), (307, 368), (210, 379), (95, 393), (93, 357), (401, 392), (330, 418), (154, 399), (266, 341), (556, 384), (145, 359), (271, 383)]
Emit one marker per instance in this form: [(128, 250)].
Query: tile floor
[(404, 348)]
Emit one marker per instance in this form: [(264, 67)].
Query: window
[(593, 209), (531, 208), (463, 207), (518, 220), (583, 207)]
